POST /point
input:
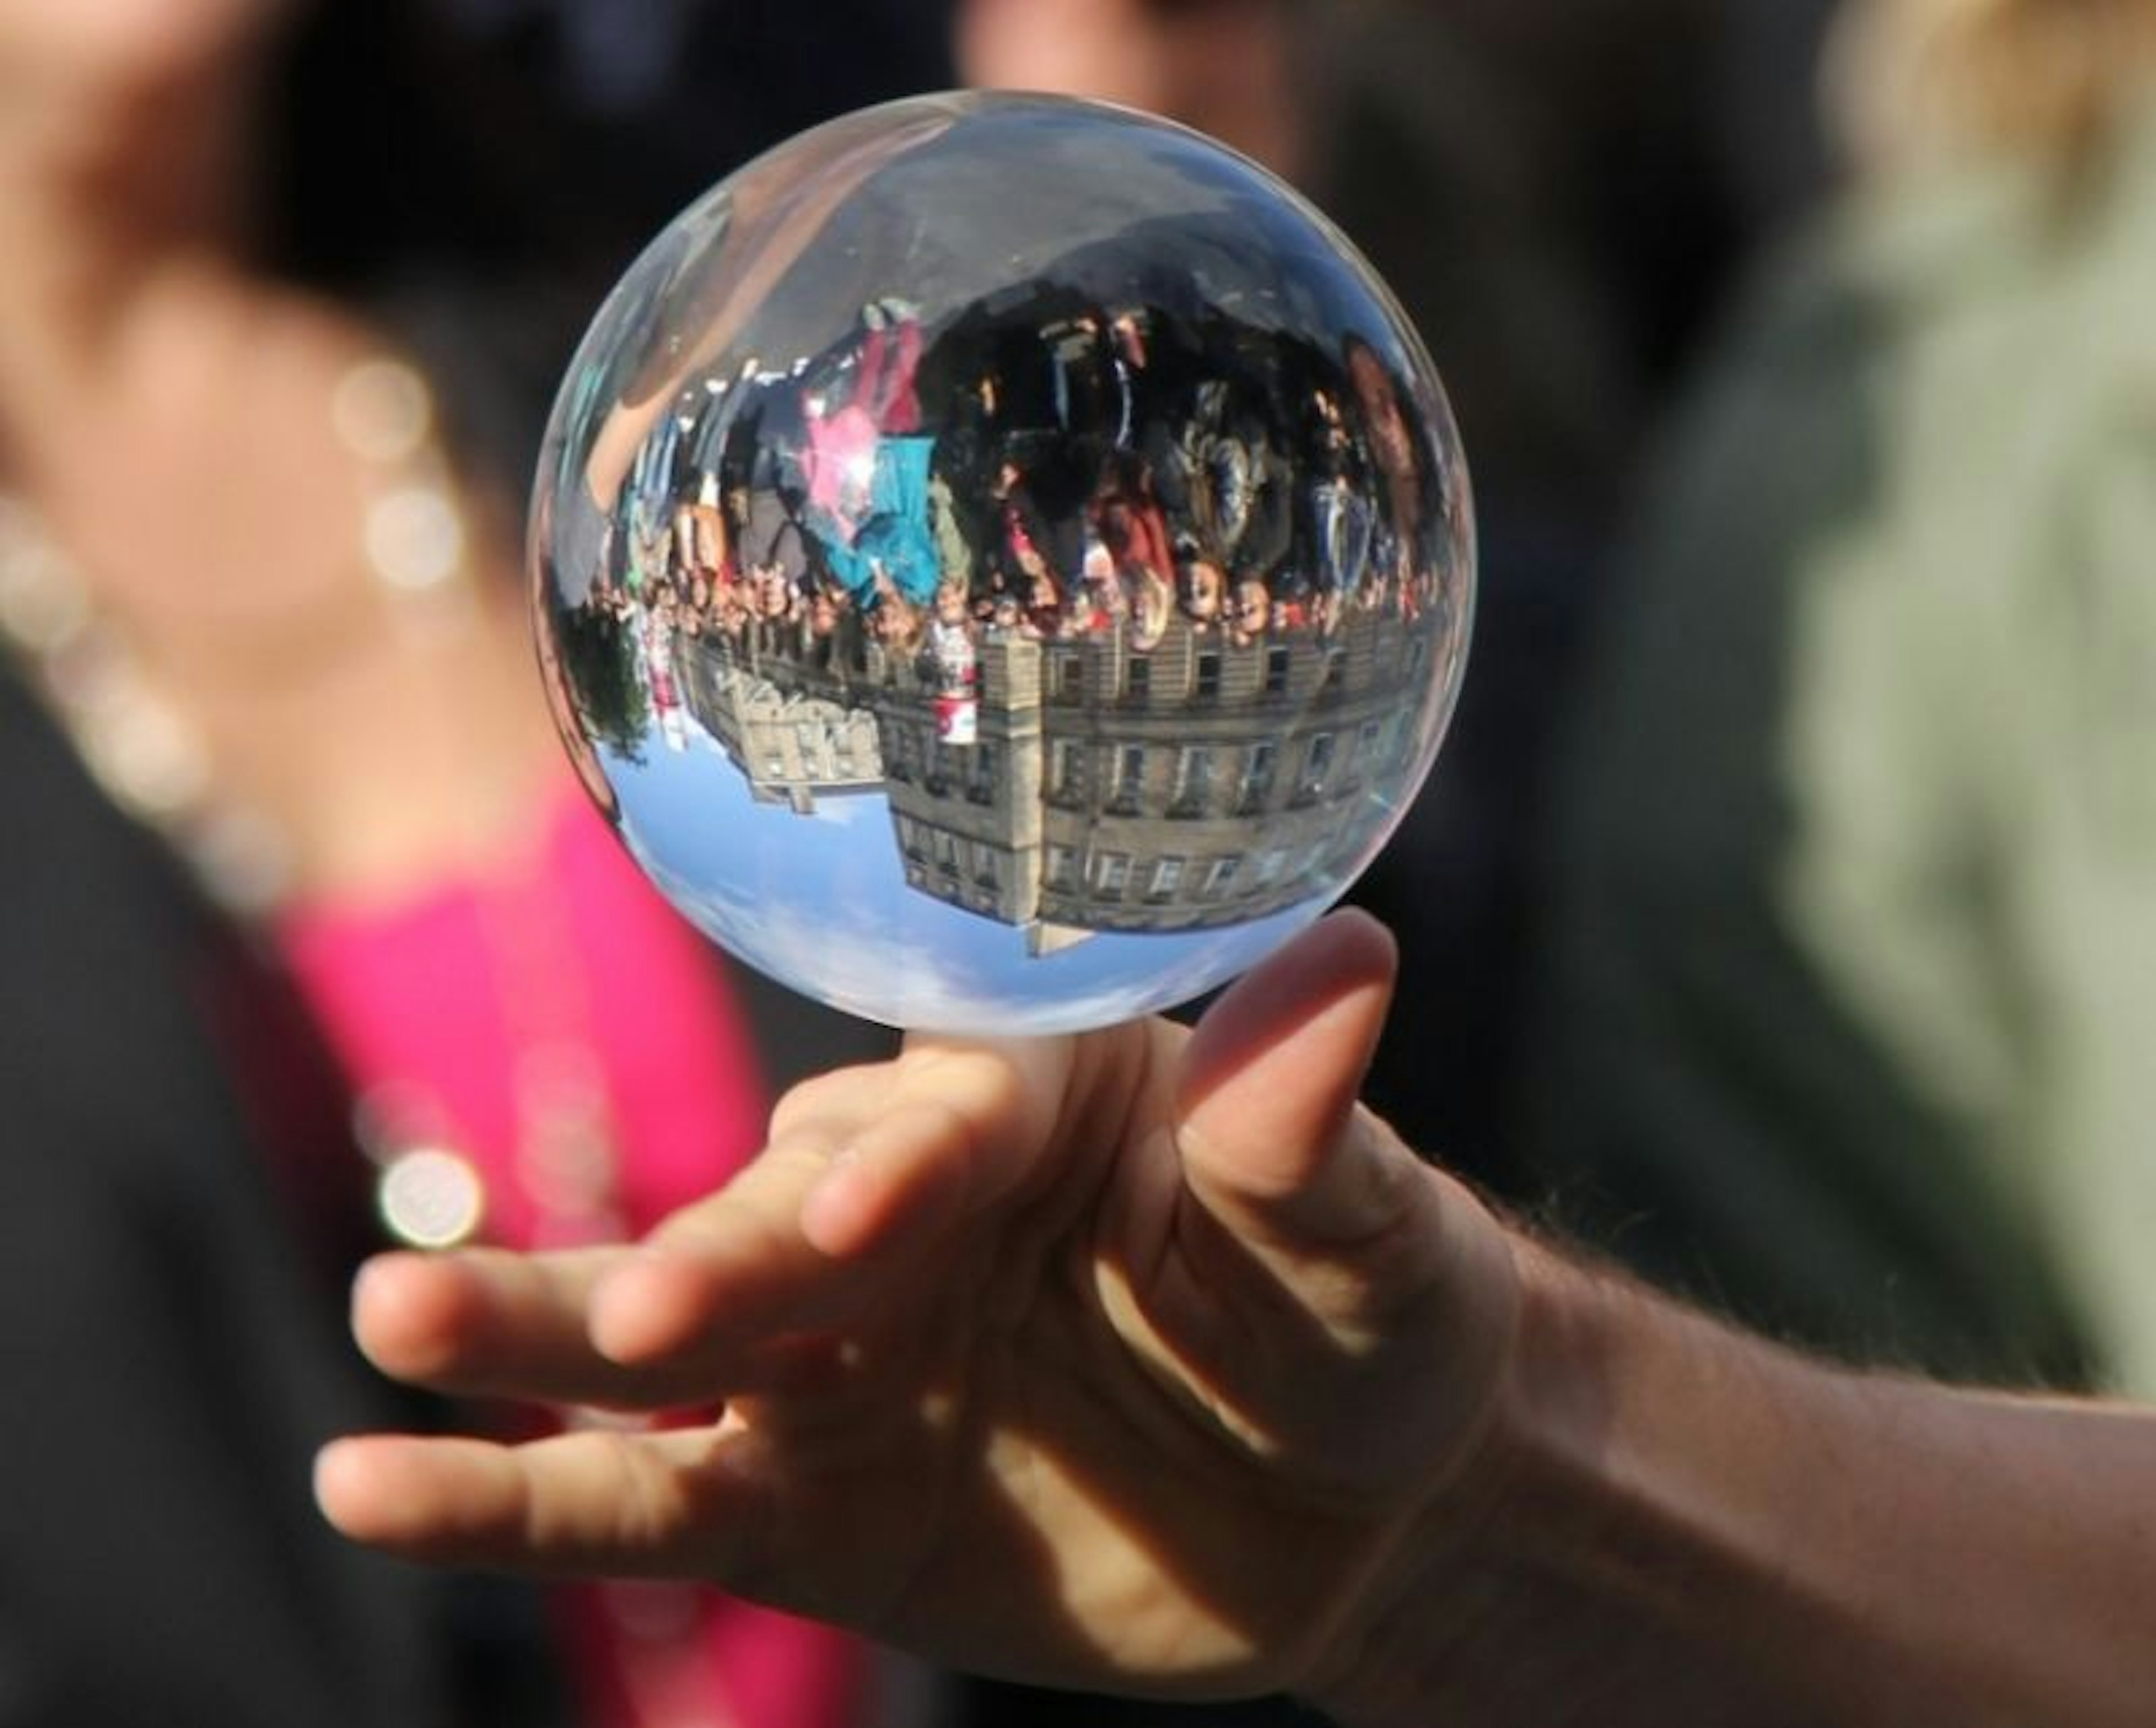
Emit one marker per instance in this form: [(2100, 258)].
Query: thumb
[(1271, 1137)]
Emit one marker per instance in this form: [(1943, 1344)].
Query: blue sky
[(821, 903)]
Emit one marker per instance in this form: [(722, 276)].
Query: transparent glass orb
[(1002, 562)]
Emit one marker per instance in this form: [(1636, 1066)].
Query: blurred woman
[(313, 940)]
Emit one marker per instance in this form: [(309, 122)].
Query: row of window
[(1113, 876), (1108, 875), (1225, 778), (844, 754), (942, 768), (1067, 668), (1066, 680), (923, 843), (1320, 767)]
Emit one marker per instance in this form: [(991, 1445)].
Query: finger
[(1268, 1122), (873, 1175), (1347, 1304), (963, 1129), (491, 1323), (905, 1174), (727, 1272), (856, 1093), (487, 1322), (593, 1501), (729, 1275)]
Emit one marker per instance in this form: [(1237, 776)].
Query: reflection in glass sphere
[(1002, 562)]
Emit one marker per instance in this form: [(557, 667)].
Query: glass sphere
[(1002, 562)]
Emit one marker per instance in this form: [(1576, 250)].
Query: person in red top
[(276, 693)]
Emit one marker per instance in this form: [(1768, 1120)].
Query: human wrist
[(1387, 1662), (1577, 1566)]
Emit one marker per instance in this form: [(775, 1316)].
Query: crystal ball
[(1002, 562)]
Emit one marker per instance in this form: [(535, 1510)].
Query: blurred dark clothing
[(992, 1705), (492, 133), (1559, 196), (171, 1324), (470, 172)]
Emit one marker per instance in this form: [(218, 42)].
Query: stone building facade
[(1197, 782)]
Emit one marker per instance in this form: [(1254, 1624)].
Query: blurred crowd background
[(1781, 916)]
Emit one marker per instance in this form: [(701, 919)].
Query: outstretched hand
[(1142, 1360)]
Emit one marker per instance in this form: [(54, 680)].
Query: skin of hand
[(1148, 1362), (1143, 1360)]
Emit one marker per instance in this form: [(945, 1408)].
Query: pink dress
[(561, 1029)]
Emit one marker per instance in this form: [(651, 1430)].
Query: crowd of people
[(1230, 479)]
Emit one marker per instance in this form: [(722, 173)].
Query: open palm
[(1130, 1361)]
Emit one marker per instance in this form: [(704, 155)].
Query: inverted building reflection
[(1127, 613)]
